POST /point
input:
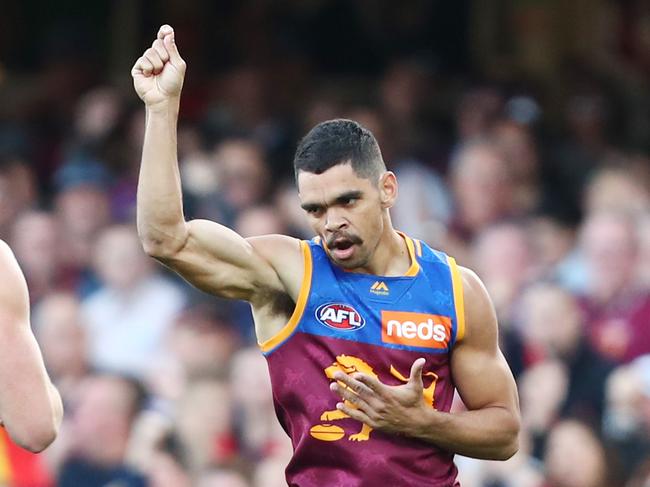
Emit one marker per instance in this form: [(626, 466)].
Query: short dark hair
[(339, 141)]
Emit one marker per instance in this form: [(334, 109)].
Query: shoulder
[(286, 256), (480, 317), (270, 246), (281, 251)]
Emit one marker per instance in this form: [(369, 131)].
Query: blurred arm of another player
[(209, 255), (30, 406), (489, 429)]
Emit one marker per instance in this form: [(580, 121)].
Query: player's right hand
[(158, 74)]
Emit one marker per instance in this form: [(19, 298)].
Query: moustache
[(343, 239)]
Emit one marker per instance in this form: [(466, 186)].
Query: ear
[(387, 189)]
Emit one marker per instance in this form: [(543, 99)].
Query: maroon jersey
[(377, 325)]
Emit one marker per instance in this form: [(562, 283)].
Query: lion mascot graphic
[(350, 365)]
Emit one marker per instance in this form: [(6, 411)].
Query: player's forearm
[(490, 433), (160, 219)]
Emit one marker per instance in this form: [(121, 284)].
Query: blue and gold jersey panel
[(430, 257), (420, 311)]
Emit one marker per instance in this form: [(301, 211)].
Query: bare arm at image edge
[(207, 254), (30, 406)]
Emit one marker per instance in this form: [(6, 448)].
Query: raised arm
[(207, 254), (30, 406)]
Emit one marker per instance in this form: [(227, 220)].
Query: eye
[(348, 201)]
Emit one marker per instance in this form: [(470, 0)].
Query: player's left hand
[(393, 409)]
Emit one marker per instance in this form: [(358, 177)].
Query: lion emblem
[(350, 365)]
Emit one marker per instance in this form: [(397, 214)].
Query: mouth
[(342, 247)]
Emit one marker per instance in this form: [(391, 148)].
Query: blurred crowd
[(540, 185)]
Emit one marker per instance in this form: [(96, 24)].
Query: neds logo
[(415, 329), (340, 317)]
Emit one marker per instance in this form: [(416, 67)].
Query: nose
[(335, 221)]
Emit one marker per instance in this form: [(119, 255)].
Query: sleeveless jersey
[(352, 322)]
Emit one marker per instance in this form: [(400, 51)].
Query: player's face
[(346, 211)]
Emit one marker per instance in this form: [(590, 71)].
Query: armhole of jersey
[(286, 331), (459, 300)]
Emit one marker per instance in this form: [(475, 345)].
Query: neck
[(391, 256)]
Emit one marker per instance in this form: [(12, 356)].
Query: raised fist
[(158, 74)]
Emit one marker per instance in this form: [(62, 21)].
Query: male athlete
[(30, 406), (366, 331)]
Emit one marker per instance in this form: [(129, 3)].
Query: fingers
[(358, 387), (164, 30), (142, 66), (159, 47), (354, 413), (415, 378), (350, 396), (154, 59), (371, 382), (170, 45)]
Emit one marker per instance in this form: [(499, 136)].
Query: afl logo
[(340, 317)]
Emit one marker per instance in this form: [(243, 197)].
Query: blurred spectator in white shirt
[(130, 314), (61, 335)]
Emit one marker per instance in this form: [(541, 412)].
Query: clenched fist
[(158, 74)]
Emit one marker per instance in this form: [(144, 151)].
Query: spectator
[(553, 238), (128, 317), (98, 433), (204, 422), (203, 342), (617, 189), (243, 180), (617, 307), (516, 144), (644, 252), (36, 241), (424, 208), (82, 210), (503, 257), (482, 188), (287, 203), (18, 191), (221, 478), (259, 220), (552, 324), (627, 415), (522, 470), (270, 472), (543, 389), (575, 457), (258, 429), (62, 337), (476, 112)]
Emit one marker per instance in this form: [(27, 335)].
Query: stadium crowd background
[(520, 133)]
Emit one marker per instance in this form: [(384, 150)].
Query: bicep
[(219, 261), (480, 371)]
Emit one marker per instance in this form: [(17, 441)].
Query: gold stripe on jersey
[(301, 302), (457, 284)]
